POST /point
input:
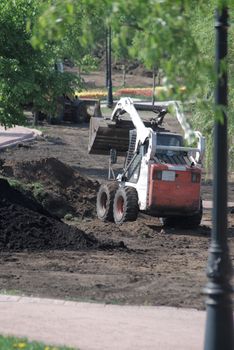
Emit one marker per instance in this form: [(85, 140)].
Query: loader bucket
[(105, 135)]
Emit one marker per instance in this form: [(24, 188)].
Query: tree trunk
[(124, 74), (153, 87), (35, 117)]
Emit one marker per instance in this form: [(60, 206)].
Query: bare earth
[(159, 267), (150, 265)]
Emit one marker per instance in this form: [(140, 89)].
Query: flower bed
[(160, 91), (98, 94), (147, 92)]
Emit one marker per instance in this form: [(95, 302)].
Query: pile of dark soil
[(63, 190), (24, 224)]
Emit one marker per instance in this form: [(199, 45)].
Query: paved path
[(209, 204), (90, 326), (12, 136)]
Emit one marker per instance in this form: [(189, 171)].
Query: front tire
[(105, 200), (125, 205)]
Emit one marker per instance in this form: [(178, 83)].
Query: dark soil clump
[(63, 190), (11, 195), (25, 225), (48, 170)]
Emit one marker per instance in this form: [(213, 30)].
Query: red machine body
[(174, 190)]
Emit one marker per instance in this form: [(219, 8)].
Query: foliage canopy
[(175, 36), (27, 75)]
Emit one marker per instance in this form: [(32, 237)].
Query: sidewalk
[(15, 135), (90, 326), (209, 204)]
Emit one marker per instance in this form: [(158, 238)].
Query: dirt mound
[(12, 195), (48, 170), (63, 190), (25, 225)]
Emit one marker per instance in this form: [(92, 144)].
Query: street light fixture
[(219, 322), (109, 86), (107, 60)]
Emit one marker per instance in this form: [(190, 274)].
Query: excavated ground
[(26, 225), (135, 263)]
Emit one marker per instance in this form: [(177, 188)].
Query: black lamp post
[(107, 61), (219, 322), (109, 85)]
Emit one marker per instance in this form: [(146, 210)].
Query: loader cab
[(169, 139), (186, 155), (134, 164), (171, 156), (133, 159)]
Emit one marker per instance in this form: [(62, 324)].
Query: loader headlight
[(195, 177)]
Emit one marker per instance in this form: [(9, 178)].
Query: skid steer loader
[(161, 177)]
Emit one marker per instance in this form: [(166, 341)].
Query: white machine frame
[(195, 154)]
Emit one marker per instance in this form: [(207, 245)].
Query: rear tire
[(105, 200), (169, 221), (193, 221), (125, 205), (190, 221)]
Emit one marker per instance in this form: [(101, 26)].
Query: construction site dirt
[(56, 247)]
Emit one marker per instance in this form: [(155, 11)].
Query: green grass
[(11, 292), (11, 343), (14, 183), (36, 188)]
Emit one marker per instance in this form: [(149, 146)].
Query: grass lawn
[(11, 343)]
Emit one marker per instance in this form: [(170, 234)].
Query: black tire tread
[(110, 189), (190, 221), (130, 204)]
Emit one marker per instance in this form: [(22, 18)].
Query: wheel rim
[(119, 207), (103, 202)]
